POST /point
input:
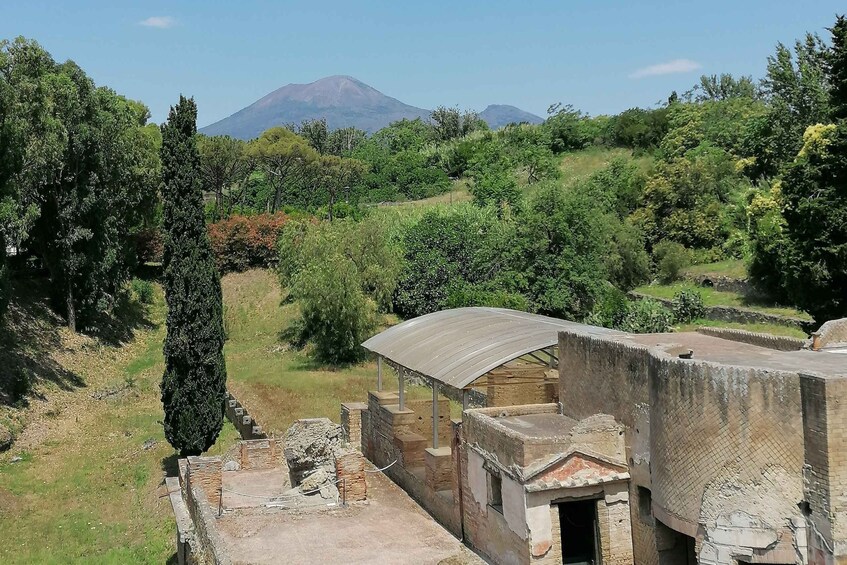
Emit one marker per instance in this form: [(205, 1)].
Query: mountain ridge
[(343, 101)]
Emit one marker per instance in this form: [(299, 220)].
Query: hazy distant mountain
[(343, 101), (499, 115)]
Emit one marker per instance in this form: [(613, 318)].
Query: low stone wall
[(780, 343), (391, 443), (262, 454), (731, 314), (208, 546), (241, 419)]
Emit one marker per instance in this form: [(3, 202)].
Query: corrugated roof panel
[(458, 346)]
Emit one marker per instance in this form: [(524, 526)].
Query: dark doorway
[(578, 523)]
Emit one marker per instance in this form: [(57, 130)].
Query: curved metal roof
[(458, 346)]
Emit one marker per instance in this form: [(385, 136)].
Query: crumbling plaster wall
[(597, 375), (708, 441), (727, 455)]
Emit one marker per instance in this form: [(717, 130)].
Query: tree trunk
[(69, 306)]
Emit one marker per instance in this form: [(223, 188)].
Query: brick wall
[(514, 386), (351, 422), (422, 423), (389, 437), (510, 448), (350, 472), (262, 454), (205, 473)]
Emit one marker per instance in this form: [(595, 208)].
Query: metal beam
[(434, 414), (400, 375), (379, 373)]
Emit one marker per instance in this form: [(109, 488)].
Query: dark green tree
[(814, 192), (194, 383)]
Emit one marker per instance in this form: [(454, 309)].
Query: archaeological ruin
[(546, 441)]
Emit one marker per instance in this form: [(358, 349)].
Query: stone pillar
[(613, 517), (351, 422), (205, 473), (350, 472), (439, 468)]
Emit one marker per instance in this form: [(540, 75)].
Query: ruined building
[(547, 441), (661, 448)]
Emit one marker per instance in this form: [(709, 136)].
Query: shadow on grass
[(29, 335), (172, 560), (170, 465)]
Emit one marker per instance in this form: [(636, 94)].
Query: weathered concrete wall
[(601, 376), (780, 343), (717, 430), (487, 529), (696, 432)]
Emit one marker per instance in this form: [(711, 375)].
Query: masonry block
[(438, 463), (411, 448)]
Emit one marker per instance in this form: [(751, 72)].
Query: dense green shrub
[(670, 258), (647, 316), (142, 290), (368, 245), (443, 249), (337, 316), (477, 295), (688, 305)]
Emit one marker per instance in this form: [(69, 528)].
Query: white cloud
[(669, 68), (161, 22)]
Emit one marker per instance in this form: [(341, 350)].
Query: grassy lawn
[(581, 164), (773, 329), (731, 268), (712, 297)]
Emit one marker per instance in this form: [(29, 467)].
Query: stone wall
[(241, 419), (696, 431), (351, 422), (825, 479), (507, 446), (422, 423), (833, 332), (778, 342), (513, 386), (208, 546), (261, 454), (718, 429), (731, 314)]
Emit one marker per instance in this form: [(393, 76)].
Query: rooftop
[(457, 346), (538, 426), (707, 348)]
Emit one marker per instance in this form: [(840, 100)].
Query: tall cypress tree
[(194, 383)]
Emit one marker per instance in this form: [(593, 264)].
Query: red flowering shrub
[(148, 246), (242, 242)]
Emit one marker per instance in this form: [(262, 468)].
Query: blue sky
[(600, 56)]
